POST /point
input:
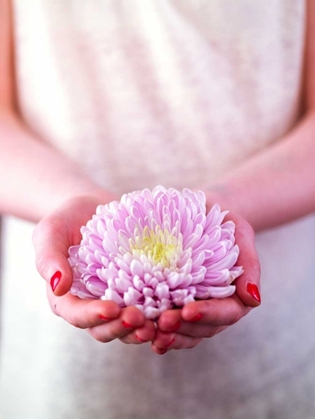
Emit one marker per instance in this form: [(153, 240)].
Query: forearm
[(35, 178), (278, 184)]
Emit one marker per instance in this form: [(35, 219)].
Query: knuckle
[(253, 264), (194, 343), (54, 309), (128, 340), (41, 238), (41, 262), (53, 304), (211, 334), (98, 336), (236, 317), (74, 321), (216, 331)]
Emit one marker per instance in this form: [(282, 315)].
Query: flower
[(156, 250)]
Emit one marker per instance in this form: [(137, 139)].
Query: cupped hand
[(104, 320), (185, 328)]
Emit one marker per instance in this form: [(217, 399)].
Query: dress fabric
[(171, 92)]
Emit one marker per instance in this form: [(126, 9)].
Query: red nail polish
[(170, 343), (197, 317), (176, 326), (140, 339), (104, 318), (126, 325), (54, 281), (253, 291)]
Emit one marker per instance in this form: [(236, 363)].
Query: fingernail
[(162, 351), (197, 317), (170, 343), (140, 339), (126, 325), (176, 326), (253, 291), (104, 318), (54, 281)]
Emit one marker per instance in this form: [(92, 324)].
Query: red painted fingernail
[(176, 326), (197, 317), (104, 318), (140, 339), (170, 343), (54, 281), (253, 291), (126, 325)]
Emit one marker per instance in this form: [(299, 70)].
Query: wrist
[(233, 198), (222, 194)]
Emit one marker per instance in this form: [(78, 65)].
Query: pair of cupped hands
[(104, 320)]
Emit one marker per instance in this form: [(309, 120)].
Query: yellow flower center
[(160, 245)]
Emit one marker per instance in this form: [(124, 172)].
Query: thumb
[(248, 284), (51, 243), (248, 287)]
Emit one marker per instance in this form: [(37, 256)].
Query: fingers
[(104, 320), (216, 312), (55, 234), (185, 329), (51, 242), (83, 313), (141, 335), (248, 290), (129, 320), (248, 284), (173, 341), (196, 330), (170, 320)]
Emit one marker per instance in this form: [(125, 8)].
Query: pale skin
[(273, 187)]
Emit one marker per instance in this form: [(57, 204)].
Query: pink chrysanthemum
[(156, 250)]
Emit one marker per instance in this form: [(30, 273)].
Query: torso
[(159, 92)]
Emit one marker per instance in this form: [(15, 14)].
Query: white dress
[(169, 92)]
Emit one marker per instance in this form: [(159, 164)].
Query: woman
[(116, 96)]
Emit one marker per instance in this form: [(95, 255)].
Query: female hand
[(104, 320), (187, 327)]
